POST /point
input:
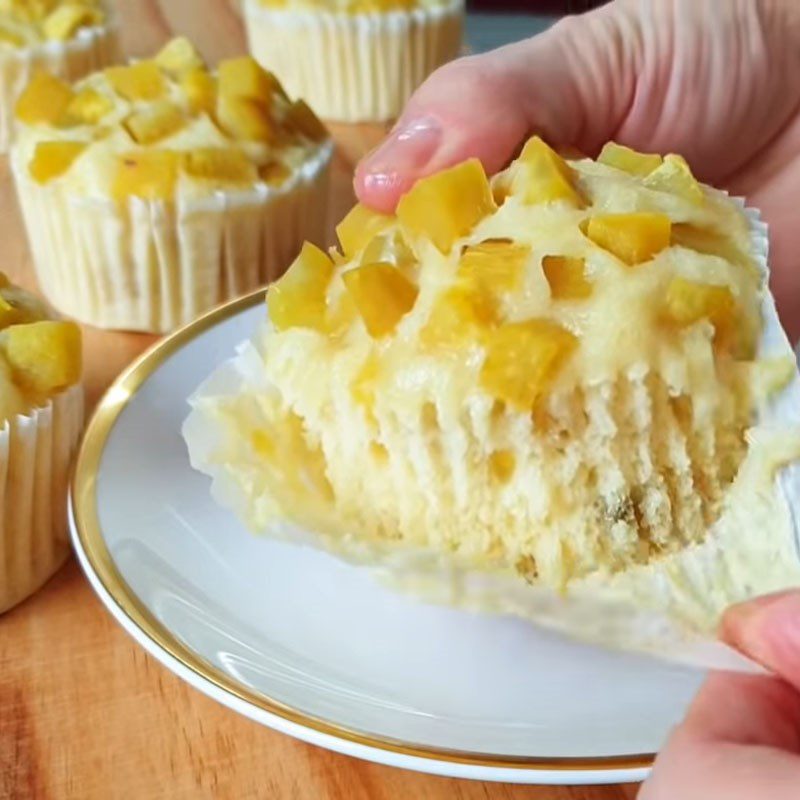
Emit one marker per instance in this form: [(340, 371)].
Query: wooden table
[(84, 712)]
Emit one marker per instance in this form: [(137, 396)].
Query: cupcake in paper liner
[(562, 394), (354, 60), (41, 419), (66, 38), (155, 191)]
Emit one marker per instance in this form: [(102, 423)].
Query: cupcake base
[(36, 452), (354, 67), (92, 49), (153, 266)]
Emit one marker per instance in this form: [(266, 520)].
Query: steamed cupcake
[(69, 38), (41, 417), (354, 60), (154, 191), (555, 379)]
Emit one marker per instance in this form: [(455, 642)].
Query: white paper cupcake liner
[(354, 67), (670, 614), (36, 452), (91, 49), (153, 266)]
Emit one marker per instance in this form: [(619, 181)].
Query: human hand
[(741, 737), (716, 82)]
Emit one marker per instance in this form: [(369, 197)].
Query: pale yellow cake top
[(582, 267), (24, 23), (39, 356), (165, 128), (554, 375), (353, 6)]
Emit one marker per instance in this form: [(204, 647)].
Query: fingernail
[(765, 627), (407, 150)]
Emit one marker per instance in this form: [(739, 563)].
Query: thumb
[(768, 630), (740, 739), (573, 84)]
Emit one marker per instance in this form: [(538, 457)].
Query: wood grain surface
[(84, 712)]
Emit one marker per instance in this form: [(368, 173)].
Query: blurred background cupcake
[(69, 38), (41, 419), (354, 60), (154, 191)]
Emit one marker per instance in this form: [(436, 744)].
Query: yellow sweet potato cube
[(448, 205), (675, 176), (18, 306), (628, 160), (383, 296), (523, 359), (274, 172), (149, 174), (65, 20), (300, 117), (8, 35), (87, 107), (51, 159), (298, 299), (496, 264), (8, 314), (633, 238), (179, 56), (140, 81), (502, 464), (44, 99), (359, 227), (245, 77), (566, 276), (200, 88), (245, 119), (542, 176), (460, 315), (222, 164), (45, 357), (687, 302), (155, 122)]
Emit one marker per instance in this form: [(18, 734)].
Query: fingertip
[(379, 190), (391, 169), (767, 629), (470, 108)]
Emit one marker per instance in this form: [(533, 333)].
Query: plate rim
[(148, 631)]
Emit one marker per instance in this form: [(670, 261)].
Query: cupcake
[(41, 417), (69, 38), (555, 380), (354, 60), (154, 191)]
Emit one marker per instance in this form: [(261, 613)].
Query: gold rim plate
[(89, 536)]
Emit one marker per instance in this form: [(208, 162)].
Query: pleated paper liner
[(354, 67), (153, 266), (36, 452)]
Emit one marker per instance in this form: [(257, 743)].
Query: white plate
[(303, 643)]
